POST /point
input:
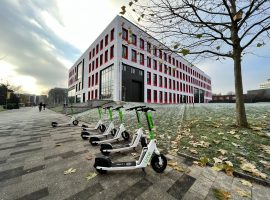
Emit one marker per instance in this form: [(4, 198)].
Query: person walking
[(40, 106), (44, 106)]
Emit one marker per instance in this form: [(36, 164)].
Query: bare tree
[(217, 29)]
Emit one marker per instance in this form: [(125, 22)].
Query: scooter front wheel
[(125, 135), (102, 162), (75, 122), (85, 135), (113, 132), (105, 147), (159, 168), (102, 128), (54, 124)]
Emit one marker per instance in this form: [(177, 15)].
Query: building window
[(160, 81), (155, 80), (106, 56), (170, 97), (170, 71), (155, 51), (173, 62), (93, 65), (148, 95), (92, 94), (169, 59), (96, 63), (134, 39), (106, 88), (134, 55), (89, 95), (141, 43), (148, 62), (124, 52), (93, 81), (97, 48), (89, 81), (170, 84), (165, 69), (177, 85), (148, 78), (97, 78), (106, 40), (89, 55), (101, 60), (160, 66), (155, 96), (165, 82), (166, 97), (96, 94), (124, 34), (112, 34), (165, 56), (174, 84), (155, 64), (160, 54), (149, 47), (160, 97), (101, 44), (141, 59), (89, 68), (93, 52), (111, 52)]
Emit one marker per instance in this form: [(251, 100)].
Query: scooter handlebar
[(135, 108), (146, 109), (107, 107), (118, 108)]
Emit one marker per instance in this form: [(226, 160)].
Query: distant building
[(265, 85), (260, 95)]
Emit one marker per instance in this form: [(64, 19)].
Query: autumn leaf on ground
[(265, 148), (216, 141), (237, 137), (225, 138), (90, 175), (193, 151), (256, 128), (217, 167), (247, 183), (69, 171), (242, 193), (204, 161), (175, 166), (133, 154), (249, 167), (232, 132), (221, 194), (229, 163), (222, 151), (236, 145), (220, 133), (89, 156), (228, 169), (265, 164)]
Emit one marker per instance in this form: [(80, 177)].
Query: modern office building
[(126, 64), (265, 85)]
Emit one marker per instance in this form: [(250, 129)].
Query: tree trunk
[(241, 118)]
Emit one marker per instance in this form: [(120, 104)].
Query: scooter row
[(99, 135), (149, 153)]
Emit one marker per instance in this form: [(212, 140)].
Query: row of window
[(152, 49), (100, 45), (167, 97), (93, 80), (101, 59), (152, 63)]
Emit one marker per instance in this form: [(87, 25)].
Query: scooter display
[(73, 121), (110, 130), (107, 148), (120, 133), (99, 126), (148, 154)]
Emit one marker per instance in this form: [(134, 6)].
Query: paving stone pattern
[(34, 156)]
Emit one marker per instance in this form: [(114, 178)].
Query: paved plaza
[(34, 157)]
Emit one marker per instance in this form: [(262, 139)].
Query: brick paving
[(34, 156)]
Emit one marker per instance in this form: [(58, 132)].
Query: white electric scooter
[(149, 153), (72, 122), (86, 132), (107, 148), (120, 133), (110, 130)]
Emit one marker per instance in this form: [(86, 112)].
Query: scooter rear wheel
[(85, 135), (125, 135), (102, 128), (54, 124), (102, 162), (155, 163), (75, 122), (93, 140), (105, 147), (113, 132)]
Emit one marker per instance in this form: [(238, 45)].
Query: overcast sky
[(41, 39)]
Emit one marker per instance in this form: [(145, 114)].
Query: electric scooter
[(149, 153), (110, 130), (73, 121), (107, 148), (121, 132), (99, 126)]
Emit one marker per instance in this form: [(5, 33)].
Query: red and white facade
[(167, 77)]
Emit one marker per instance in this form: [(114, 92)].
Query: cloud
[(31, 46)]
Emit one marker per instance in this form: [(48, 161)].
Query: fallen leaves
[(194, 151), (247, 183), (236, 145), (69, 171), (221, 194), (200, 144), (265, 164), (222, 151), (90, 175), (242, 193), (249, 167), (175, 166), (202, 162), (89, 156), (265, 148), (256, 128)]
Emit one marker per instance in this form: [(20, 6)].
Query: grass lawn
[(208, 130)]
